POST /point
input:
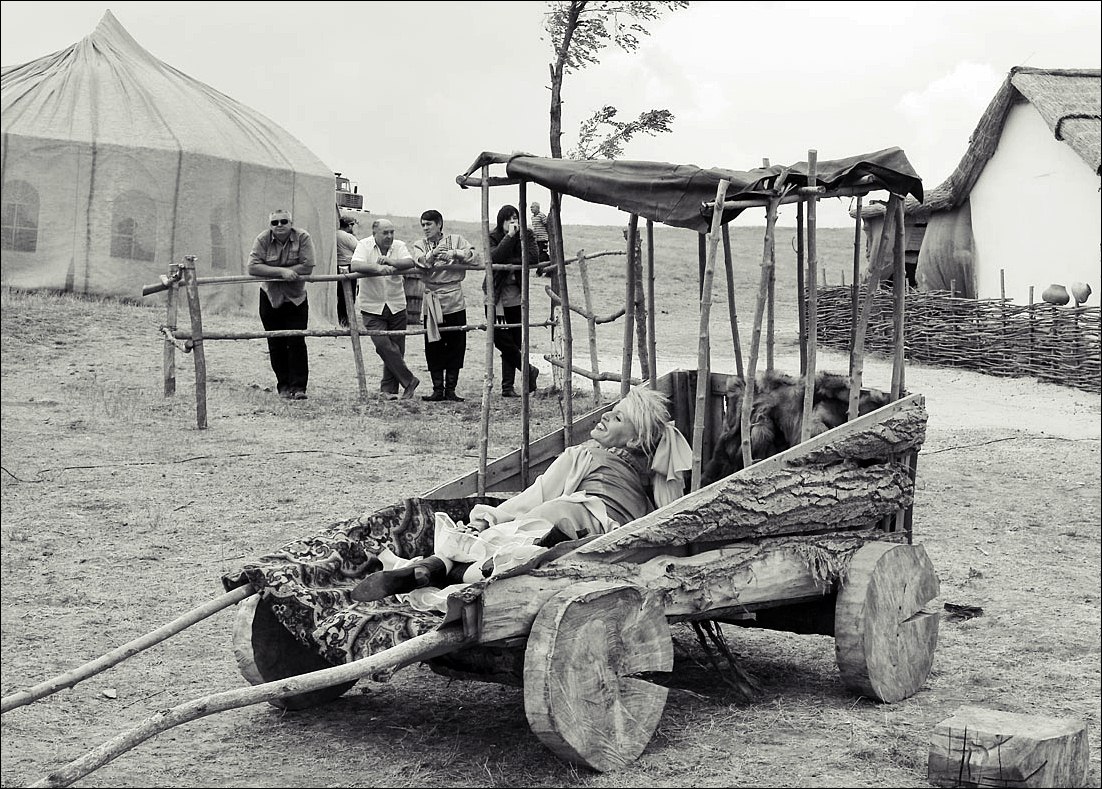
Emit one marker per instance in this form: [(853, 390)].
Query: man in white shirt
[(382, 303)]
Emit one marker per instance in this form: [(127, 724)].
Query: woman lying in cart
[(636, 460)]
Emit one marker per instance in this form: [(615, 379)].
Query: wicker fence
[(1061, 345)]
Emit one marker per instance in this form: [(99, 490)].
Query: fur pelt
[(776, 416)]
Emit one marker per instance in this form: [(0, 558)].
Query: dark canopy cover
[(674, 193)]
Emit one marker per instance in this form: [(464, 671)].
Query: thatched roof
[(1069, 100)]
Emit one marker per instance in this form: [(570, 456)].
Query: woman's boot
[(451, 380), (437, 387), (432, 571)]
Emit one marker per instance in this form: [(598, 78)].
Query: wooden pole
[(801, 297), (384, 664), (729, 268), (857, 355), (525, 332), (491, 312), (196, 342), (701, 259), (899, 291), (640, 302), (131, 648), (629, 304), (590, 324), (168, 355), (770, 329), (855, 294), (755, 338), (704, 364), (651, 341), (812, 299), (354, 333), (559, 258)]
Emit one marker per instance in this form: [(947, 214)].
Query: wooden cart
[(815, 540)]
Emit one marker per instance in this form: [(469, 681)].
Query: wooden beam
[(894, 429)]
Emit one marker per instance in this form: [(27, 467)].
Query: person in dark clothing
[(505, 241), (286, 252)]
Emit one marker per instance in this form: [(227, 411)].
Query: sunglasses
[(276, 222)]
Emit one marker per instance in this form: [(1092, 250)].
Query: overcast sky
[(401, 97)]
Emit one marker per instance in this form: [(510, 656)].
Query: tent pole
[(755, 337), (900, 282), (729, 268), (801, 296), (702, 259), (197, 342), (651, 349), (629, 307), (856, 290), (640, 302), (812, 298), (704, 363), (525, 331), (490, 310), (559, 260)]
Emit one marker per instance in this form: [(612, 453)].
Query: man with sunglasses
[(283, 254)]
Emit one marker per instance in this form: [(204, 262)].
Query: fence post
[(354, 333), (168, 356), (196, 342), (629, 306)]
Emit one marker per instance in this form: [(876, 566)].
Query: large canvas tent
[(116, 165), (1022, 207)]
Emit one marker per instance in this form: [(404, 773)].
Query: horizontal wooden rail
[(590, 374)]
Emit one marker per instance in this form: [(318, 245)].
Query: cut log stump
[(266, 652), (884, 642), (583, 694), (982, 747)]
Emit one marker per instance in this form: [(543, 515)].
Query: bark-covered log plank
[(749, 575), (802, 500), (789, 494)]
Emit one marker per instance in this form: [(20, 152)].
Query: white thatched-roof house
[(116, 165), (1023, 206)]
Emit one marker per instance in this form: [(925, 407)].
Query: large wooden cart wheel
[(883, 640), (582, 695), (266, 652)]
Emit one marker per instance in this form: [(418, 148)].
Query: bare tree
[(579, 30)]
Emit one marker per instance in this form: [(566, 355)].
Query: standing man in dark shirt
[(285, 252)]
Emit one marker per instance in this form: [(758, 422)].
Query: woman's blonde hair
[(648, 410)]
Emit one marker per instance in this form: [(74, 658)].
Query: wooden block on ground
[(982, 747)]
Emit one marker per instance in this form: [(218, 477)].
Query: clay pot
[(1056, 294), (1081, 291)]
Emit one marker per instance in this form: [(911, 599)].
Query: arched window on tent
[(19, 225), (134, 227), (218, 252)]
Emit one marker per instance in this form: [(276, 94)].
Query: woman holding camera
[(505, 241)]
